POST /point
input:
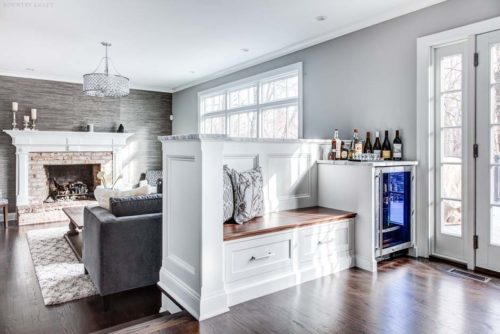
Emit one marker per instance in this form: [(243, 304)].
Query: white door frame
[(425, 134)]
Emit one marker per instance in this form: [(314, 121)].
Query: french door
[(488, 160), (467, 151)]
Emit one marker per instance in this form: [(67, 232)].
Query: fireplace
[(71, 182), (38, 151)]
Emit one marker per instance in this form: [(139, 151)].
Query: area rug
[(60, 275)]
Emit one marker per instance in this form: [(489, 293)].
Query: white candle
[(14, 106), (27, 119), (33, 113)]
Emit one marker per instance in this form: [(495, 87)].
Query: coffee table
[(73, 236)]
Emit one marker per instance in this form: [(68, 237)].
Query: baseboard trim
[(179, 291), (366, 264)]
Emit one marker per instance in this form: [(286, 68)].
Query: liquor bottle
[(386, 147), (356, 145), (344, 152), (338, 146), (331, 154), (397, 147), (368, 144), (377, 147)]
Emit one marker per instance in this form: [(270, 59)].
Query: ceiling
[(168, 45)]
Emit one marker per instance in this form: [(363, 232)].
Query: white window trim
[(425, 131), (269, 75)]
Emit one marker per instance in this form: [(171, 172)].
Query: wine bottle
[(368, 144), (397, 153), (377, 147), (386, 147)]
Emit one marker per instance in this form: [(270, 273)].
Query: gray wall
[(62, 106), (366, 79)]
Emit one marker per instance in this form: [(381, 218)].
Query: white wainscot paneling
[(183, 222), (289, 176), (242, 162)]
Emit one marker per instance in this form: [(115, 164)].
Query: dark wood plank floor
[(406, 296), (21, 305)]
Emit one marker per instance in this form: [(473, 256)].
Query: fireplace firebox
[(71, 182)]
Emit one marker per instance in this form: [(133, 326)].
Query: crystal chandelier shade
[(105, 84)]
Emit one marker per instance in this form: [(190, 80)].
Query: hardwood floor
[(406, 296), (21, 305)]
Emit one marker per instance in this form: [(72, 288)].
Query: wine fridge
[(394, 209)]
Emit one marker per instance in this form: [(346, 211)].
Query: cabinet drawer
[(325, 240), (258, 256)]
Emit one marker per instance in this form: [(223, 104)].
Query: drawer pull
[(325, 242), (256, 258)]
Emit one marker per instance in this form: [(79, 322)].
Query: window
[(268, 105)]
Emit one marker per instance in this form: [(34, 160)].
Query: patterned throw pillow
[(248, 195), (228, 194)]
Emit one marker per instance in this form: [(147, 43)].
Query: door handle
[(325, 242), (256, 258)]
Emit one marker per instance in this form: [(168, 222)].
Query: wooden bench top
[(284, 220)]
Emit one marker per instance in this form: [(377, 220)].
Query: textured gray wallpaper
[(62, 107), (365, 80)]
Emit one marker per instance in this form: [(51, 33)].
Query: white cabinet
[(260, 265)]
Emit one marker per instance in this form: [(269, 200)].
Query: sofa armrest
[(128, 248), (92, 251)]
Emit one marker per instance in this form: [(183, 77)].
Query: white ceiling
[(167, 45)]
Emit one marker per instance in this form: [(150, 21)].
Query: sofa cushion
[(228, 194), (135, 205), (248, 195)]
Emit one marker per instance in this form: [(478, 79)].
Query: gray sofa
[(122, 246)]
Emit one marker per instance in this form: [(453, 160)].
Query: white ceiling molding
[(403, 10)]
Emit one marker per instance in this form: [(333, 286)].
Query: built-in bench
[(285, 248), (285, 220)]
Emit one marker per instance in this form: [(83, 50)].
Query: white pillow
[(102, 195)]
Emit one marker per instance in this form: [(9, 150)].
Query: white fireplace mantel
[(60, 141)]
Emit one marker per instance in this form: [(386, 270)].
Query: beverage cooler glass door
[(395, 209)]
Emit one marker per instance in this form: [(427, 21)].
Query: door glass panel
[(451, 109), (451, 217), (495, 63), (451, 139), (495, 185), (451, 73), (451, 181), (495, 144), (495, 104), (495, 225)]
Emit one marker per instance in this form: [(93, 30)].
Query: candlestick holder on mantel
[(14, 110), (26, 123)]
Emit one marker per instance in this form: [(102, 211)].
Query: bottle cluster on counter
[(358, 150)]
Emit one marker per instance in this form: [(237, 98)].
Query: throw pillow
[(102, 195), (248, 195), (227, 196)]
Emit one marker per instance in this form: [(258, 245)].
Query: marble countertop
[(368, 163), (213, 137)]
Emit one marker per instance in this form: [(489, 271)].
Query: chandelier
[(104, 84)]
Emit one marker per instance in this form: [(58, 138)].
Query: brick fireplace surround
[(35, 150)]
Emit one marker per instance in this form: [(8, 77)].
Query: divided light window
[(268, 105)]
